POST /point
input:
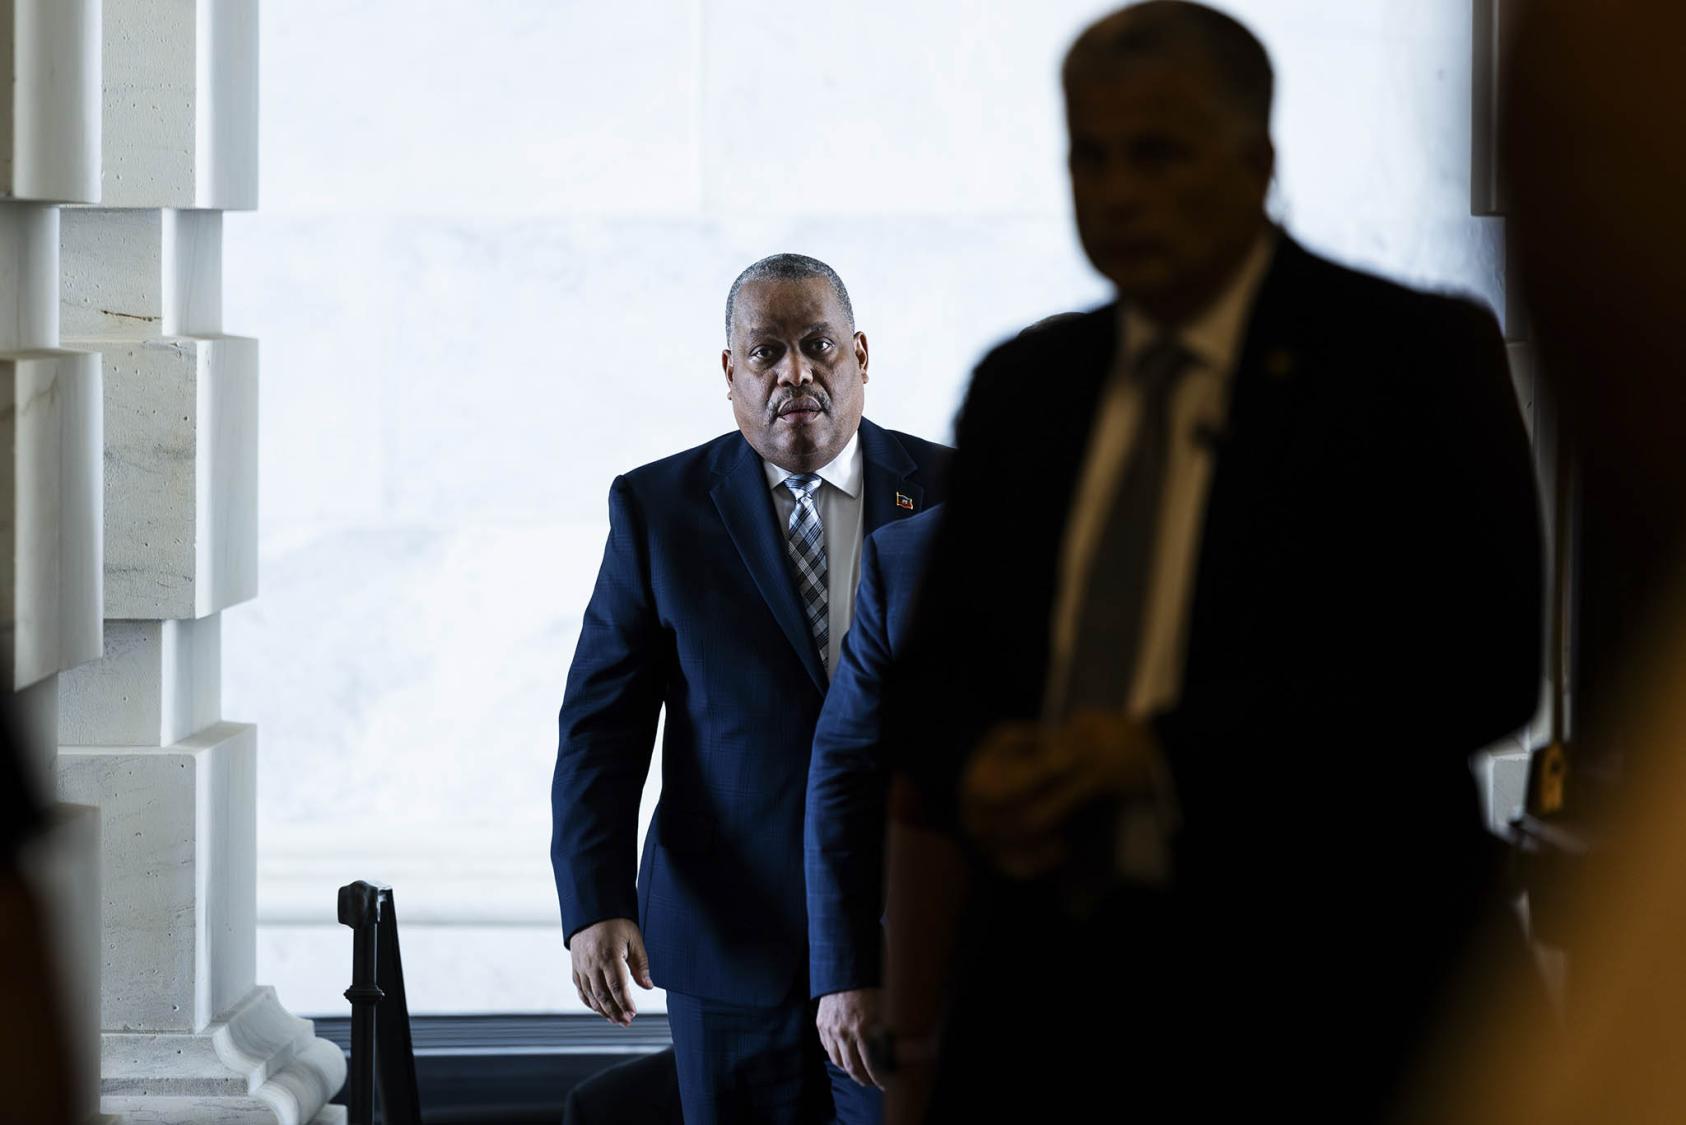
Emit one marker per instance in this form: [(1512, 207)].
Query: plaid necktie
[(805, 543)]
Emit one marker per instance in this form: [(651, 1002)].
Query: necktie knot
[(805, 544), (802, 485), (1159, 365)]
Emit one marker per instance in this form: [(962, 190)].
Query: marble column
[(187, 1032), (50, 495)]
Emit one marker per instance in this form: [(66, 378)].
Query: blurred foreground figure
[(1597, 167), (1237, 573), (34, 1069)]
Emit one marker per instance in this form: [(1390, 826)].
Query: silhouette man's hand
[(1026, 782)]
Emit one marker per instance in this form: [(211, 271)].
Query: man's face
[(1168, 181), (795, 372)]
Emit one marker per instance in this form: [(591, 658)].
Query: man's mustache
[(815, 399)]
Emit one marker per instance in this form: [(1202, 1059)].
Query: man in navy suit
[(848, 781), (725, 591)]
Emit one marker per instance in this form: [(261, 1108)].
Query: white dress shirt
[(1199, 408), (838, 499)]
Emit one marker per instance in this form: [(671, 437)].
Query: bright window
[(488, 275)]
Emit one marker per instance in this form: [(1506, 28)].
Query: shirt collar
[(1214, 334), (843, 472)]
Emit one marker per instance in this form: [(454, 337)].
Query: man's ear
[(726, 366), (861, 353)]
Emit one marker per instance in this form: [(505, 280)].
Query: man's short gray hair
[(1156, 29), (788, 267)]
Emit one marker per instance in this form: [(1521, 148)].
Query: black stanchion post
[(360, 908), (400, 1103)]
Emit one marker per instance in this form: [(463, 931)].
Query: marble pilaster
[(180, 832), (181, 103), (139, 273), (50, 108), (188, 1035), (180, 475), (29, 271), (158, 683), (51, 510)]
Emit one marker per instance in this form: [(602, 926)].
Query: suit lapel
[(1252, 473), (1267, 374), (887, 493), (742, 497)]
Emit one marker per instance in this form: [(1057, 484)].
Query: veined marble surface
[(180, 475), (29, 276), (135, 273), (51, 148), (114, 267), (157, 683), (51, 508), (178, 854), (180, 104)]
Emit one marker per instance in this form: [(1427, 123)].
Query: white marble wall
[(482, 298)]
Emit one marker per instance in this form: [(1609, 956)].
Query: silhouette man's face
[(795, 372), (1168, 181)]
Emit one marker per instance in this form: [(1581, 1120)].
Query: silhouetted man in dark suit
[(848, 781), (1204, 717), (724, 594)]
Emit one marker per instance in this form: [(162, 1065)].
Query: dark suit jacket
[(696, 611), (848, 777), (1366, 614)]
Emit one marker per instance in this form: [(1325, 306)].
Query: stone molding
[(256, 1063)]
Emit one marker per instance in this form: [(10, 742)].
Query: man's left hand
[(843, 1020), (1026, 781)]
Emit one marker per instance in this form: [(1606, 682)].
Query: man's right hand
[(608, 956), (843, 1021)]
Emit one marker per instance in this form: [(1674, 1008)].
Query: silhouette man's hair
[(1158, 29)]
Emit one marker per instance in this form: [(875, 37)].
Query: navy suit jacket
[(695, 611), (848, 778)]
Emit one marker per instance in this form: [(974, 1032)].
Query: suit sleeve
[(607, 730), (847, 783), (935, 708)]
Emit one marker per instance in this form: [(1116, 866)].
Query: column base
[(256, 1064)]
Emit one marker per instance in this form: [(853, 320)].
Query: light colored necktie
[(1107, 840), (1108, 646), (805, 543)]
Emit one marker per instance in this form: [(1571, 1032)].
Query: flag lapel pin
[(904, 501)]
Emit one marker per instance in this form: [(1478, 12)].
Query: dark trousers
[(742, 1065)]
